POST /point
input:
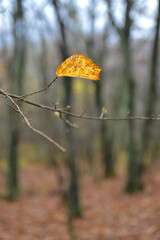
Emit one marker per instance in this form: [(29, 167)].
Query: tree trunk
[(105, 132), (73, 192), (152, 93), (107, 151), (13, 139), (134, 174), (136, 167), (106, 136), (16, 75)]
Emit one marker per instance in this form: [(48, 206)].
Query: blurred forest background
[(104, 159)]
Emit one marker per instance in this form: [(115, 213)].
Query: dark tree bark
[(16, 76), (90, 49), (134, 178), (73, 192), (152, 94), (106, 130), (153, 83), (98, 51), (134, 174)]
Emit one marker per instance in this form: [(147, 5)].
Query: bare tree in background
[(149, 128), (73, 192), (89, 41), (134, 179), (96, 47), (17, 68), (107, 146)]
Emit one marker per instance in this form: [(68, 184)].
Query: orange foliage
[(79, 66)]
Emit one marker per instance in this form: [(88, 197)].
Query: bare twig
[(72, 125), (12, 107), (12, 98), (53, 104), (41, 90), (103, 112), (28, 124), (83, 112), (118, 29), (80, 116)]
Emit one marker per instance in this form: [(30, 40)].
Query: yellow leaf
[(79, 66)]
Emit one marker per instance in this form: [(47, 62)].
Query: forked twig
[(81, 116), (28, 124), (72, 125)]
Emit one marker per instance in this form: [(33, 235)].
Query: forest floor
[(108, 214)]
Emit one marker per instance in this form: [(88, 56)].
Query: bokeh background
[(121, 37)]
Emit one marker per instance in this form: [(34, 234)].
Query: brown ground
[(107, 213)]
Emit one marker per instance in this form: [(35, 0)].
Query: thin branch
[(28, 124), (83, 112), (41, 90), (72, 125), (103, 112), (80, 116), (21, 98), (118, 29), (12, 107), (33, 93)]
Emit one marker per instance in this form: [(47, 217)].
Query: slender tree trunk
[(153, 85), (134, 174), (106, 133), (152, 96), (16, 75), (46, 116), (73, 193), (90, 49), (107, 151), (135, 167), (13, 139), (135, 152)]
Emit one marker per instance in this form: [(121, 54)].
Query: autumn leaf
[(79, 65)]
